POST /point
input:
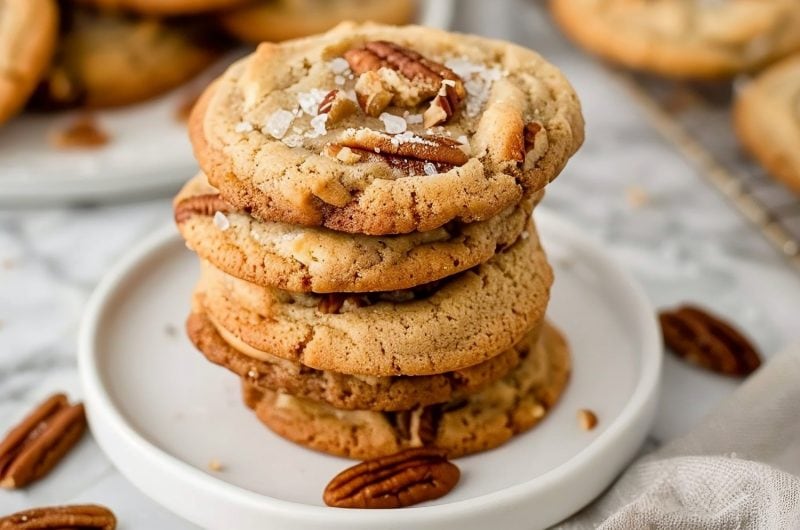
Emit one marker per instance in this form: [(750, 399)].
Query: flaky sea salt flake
[(339, 65), (429, 168), (393, 124), (278, 123), (318, 123), (293, 140), (221, 221), (309, 101), (243, 127)]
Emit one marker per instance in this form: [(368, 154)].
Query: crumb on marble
[(82, 133), (637, 196), (170, 330), (587, 419), (215, 465)]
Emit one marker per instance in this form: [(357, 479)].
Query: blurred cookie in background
[(767, 120), (106, 59), (277, 20), (28, 30), (166, 7), (680, 39)]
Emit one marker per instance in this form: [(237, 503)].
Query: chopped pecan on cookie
[(412, 154), (403, 479), (208, 204), (706, 340), (34, 447), (390, 73)]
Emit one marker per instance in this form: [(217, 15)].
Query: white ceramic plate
[(161, 412), (149, 152)]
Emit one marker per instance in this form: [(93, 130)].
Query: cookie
[(321, 260), (166, 7), (767, 120), (277, 20), (348, 391), (478, 422), (458, 133), (676, 38), (105, 60), (28, 30), (458, 322)]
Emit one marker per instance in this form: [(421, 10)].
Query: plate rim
[(100, 404)]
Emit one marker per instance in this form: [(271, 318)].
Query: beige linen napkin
[(739, 469)]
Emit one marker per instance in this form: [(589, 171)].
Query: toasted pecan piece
[(402, 479), (34, 447), (207, 204), (77, 517), (706, 340)]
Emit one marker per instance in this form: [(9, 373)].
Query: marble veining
[(627, 188)]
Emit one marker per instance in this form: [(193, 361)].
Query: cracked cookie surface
[(321, 260), (684, 38), (767, 120), (479, 422), (347, 391), (448, 325), (28, 30), (384, 130)]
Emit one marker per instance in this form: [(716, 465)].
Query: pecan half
[(389, 73), (410, 154), (207, 204), (708, 341), (402, 479), (32, 448), (79, 517)]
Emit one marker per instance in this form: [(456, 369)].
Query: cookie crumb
[(83, 133), (215, 465), (170, 330), (7, 264), (587, 419), (637, 196)]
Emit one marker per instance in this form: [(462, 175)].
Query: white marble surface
[(684, 244)]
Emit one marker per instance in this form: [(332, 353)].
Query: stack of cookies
[(369, 266)]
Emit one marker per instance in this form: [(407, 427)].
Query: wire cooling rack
[(696, 117)]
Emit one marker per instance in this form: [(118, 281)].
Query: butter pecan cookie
[(767, 120), (110, 59), (478, 422), (348, 391), (440, 327), (166, 7), (28, 30), (277, 20), (384, 130), (684, 38), (321, 260)]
